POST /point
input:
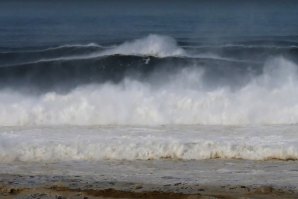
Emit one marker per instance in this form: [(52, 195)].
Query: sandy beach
[(151, 179)]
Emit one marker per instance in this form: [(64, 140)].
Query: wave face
[(150, 81)]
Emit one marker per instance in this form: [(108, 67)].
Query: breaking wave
[(184, 96), (143, 143), (152, 45), (149, 81)]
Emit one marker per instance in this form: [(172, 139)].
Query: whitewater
[(167, 111)]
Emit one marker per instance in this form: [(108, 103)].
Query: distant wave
[(239, 46), (55, 48), (151, 46), (22, 56), (147, 58)]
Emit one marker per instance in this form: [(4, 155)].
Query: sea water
[(148, 81)]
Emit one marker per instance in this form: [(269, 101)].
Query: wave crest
[(152, 45)]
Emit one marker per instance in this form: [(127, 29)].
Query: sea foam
[(152, 45), (51, 144)]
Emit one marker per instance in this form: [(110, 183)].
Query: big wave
[(182, 97)]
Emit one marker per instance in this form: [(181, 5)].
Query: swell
[(246, 52), (158, 46)]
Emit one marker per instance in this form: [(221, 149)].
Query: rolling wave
[(65, 47), (67, 74), (27, 56), (153, 46)]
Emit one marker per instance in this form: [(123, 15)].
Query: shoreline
[(224, 179), (22, 186)]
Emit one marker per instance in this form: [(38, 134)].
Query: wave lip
[(152, 45)]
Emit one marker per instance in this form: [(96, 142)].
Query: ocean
[(152, 81)]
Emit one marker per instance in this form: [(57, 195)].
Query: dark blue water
[(42, 23)]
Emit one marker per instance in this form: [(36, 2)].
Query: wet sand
[(151, 179)]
